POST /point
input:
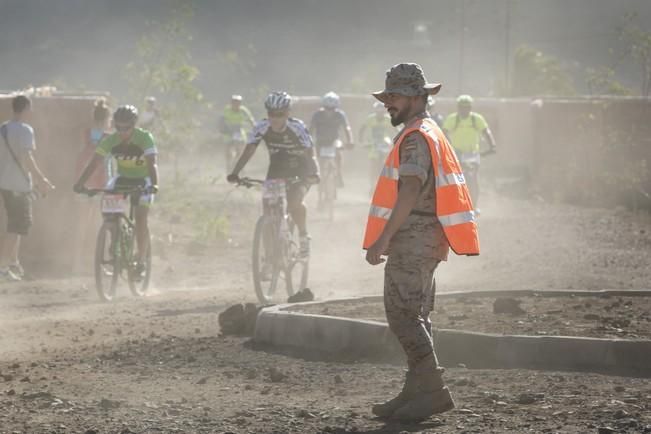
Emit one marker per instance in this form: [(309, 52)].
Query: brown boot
[(432, 398), (409, 389)]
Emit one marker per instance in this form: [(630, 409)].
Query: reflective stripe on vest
[(390, 172), (454, 208), (457, 218), (380, 212)]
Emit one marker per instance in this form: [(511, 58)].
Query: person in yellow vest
[(465, 129), (420, 208), (234, 124)]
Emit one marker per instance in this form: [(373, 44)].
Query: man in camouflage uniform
[(415, 243)]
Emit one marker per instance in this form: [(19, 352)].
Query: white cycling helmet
[(278, 101), (330, 100)]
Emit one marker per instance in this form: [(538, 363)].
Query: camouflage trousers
[(409, 291)]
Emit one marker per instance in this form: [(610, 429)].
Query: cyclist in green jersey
[(377, 134), (465, 129), (136, 155), (234, 124)]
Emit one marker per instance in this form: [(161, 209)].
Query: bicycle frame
[(129, 219)]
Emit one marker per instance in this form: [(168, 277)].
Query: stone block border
[(279, 326)]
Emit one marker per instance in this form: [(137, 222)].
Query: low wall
[(594, 151), (62, 238)]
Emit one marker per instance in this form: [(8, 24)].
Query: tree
[(602, 81), (162, 66), (535, 73), (638, 48)]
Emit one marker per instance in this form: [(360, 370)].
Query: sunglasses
[(277, 114), (123, 128)]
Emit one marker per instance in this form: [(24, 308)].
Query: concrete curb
[(280, 326)]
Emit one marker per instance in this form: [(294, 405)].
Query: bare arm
[(90, 168), (42, 183), (152, 166), (488, 135), (349, 135), (407, 196), (248, 152)]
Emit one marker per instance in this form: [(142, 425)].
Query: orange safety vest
[(454, 208)]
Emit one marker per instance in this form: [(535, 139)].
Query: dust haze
[(565, 202)]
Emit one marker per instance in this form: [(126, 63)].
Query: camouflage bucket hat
[(407, 79)]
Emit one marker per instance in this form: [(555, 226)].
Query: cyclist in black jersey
[(291, 155), (326, 126)]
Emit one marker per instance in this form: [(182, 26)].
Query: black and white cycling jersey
[(290, 150)]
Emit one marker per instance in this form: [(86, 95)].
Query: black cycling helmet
[(126, 114)]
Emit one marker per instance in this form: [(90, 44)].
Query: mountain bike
[(328, 184), (377, 155), (470, 166), (276, 248), (114, 251)]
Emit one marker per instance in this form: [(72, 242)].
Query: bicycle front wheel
[(266, 260), (298, 267), (139, 284), (107, 260)]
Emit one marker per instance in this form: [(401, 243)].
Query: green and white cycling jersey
[(130, 155)]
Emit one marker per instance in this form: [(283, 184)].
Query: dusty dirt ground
[(69, 363), (597, 317)]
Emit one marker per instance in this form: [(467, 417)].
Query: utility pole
[(462, 45), (507, 47)]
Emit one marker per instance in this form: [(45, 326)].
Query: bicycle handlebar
[(251, 182), (94, 191)]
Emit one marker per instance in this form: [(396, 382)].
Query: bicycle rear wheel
[(266, 263), (140, 284), (107, 260)]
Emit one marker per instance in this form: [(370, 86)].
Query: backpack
[(473, 120)]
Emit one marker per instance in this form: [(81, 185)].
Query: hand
[(233, 178), (79, 188), (313, 179), (375, 252), (44, 186), (152, 189)]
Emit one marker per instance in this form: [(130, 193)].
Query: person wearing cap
[(377, 134), (326, 126), (465, 130), (420, 209), (235, 122), (150, 116)]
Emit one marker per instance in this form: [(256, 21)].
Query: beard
[(400, 117)]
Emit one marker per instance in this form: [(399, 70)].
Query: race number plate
[(115, 203), (274, 189)]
